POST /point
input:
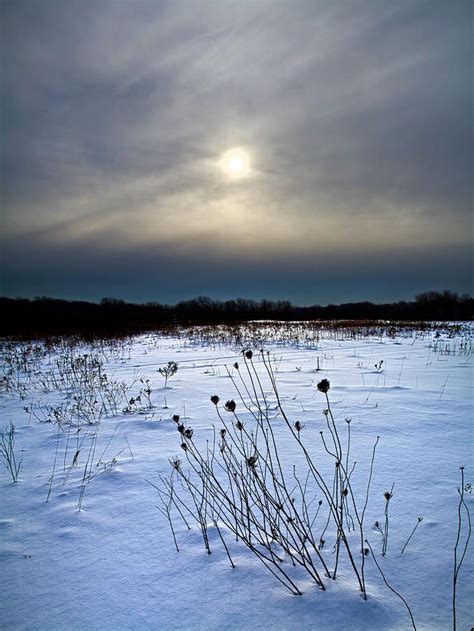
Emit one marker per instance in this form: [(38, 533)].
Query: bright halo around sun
[(235, 163)]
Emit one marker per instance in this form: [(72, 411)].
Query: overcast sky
[(354, 120)]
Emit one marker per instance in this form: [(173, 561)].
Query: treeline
[(53, 316)]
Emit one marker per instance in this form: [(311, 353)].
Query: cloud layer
[(356, 116)]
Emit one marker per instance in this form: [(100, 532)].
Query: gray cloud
[(356, 115)]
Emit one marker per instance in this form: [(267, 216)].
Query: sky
[(311, 150)]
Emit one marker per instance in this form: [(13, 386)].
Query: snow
[(113, 565)]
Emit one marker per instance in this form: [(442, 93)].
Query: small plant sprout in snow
[(168, 371), (7, 452)]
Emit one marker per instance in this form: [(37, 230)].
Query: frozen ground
[(113, 564)]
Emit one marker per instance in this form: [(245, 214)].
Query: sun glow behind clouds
[(235, 163)]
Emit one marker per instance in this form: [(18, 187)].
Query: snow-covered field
[(83, 545)]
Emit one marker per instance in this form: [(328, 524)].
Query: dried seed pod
[(323, 386), (230, 405)]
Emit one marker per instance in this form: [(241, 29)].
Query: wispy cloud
[(356, 116)]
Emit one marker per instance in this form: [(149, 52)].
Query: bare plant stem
[(50, 481), (7, 452), (390, 587), (420, 519), (458, 562), (240, 483)]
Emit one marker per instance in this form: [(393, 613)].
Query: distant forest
[(44, 316)]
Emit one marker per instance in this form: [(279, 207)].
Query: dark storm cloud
[(356, 115)]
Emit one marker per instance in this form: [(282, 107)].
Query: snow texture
[(113, 565)]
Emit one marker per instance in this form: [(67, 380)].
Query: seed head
[(176, 418), (252, 461), (230, 405), (323, 386), (215, 399), (175, 463)]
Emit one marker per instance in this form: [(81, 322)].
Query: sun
[(235, 163)]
